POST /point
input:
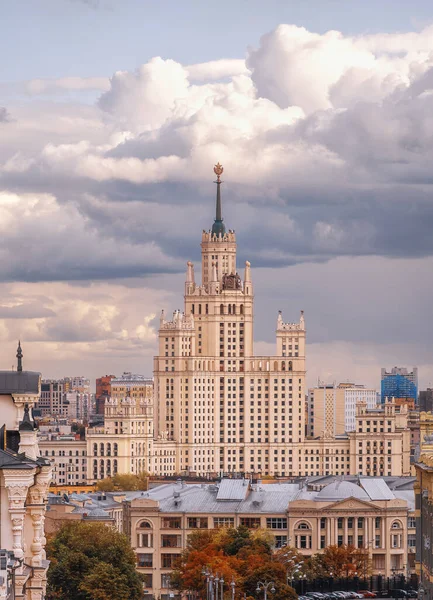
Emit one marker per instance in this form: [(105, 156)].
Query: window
[(411, 541), (145, 525), (360, 522), (411, 522), (280, 541), (276, 523), (377, 543), (197, 522), (303, 525), (219, 522), (170, 541), (171, 523), (145, 560), (340, 540), (377, 522), (396, 525), (144, 540), (168, 560), (396, 540), (323, 523), (322, 541), (303, 541), (251, 522), (165, 580), (350, 523), (340, 523)]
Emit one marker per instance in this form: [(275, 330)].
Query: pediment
[(353, 504)]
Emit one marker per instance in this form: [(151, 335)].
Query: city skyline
[(106, 181)]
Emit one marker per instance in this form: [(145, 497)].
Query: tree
[(240, 554), (124, 482), (91, 561), (341, 561)]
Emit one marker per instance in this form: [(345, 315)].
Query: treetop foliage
[(91, 561)]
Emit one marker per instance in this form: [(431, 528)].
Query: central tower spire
[(218, 228)]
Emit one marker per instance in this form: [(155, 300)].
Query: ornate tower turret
[(217, 245)]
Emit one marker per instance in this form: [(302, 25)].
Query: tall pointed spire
[(218, 228), (19, 357)]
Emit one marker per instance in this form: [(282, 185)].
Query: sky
[(112, 115)]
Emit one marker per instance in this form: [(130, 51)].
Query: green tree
[(124, 482), (90, 561)]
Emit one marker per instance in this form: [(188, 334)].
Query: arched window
[(199, 309), (207, 309), (303, 525), (115, 451), (101, 449), (95, 449), (230, 309), (192, 309), (115, 466), (290, 365), (221, 309), (108, 449), (283, 365), (145, 525), (234, 309), (241, 309), (396, 525), (275, 366)]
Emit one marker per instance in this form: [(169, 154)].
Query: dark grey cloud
[(4, 115)]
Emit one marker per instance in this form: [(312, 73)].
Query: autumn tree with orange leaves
[(238, 555)]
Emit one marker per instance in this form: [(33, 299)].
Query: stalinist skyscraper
[(224, 408)]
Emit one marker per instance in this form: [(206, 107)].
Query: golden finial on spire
[(218, 170)]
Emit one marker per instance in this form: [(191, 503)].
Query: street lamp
[(264, 585), (233, 586)]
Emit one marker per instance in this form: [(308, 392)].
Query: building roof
[(233, 489), (131, 378), (340, 490), (19, 382), (13, 460), (377, 489)]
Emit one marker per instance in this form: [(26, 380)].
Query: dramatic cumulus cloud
[(327, 146)]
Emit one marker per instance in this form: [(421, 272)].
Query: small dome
[(218, 228), (341, 490)]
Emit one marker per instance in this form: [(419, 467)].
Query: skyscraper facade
[(227, 409), (399, 383)]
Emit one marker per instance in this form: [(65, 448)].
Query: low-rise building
[(309, 515), (105, 507)]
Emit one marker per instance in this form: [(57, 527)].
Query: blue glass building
[(399, 383)]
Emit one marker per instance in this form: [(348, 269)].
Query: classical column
[(345, 530), (17, 483)]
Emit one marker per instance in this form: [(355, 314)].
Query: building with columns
[(370, 513), (24, 483)]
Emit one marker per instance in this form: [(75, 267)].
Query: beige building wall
[(68, 458), (125, 443), (328, 410), (378, 526)]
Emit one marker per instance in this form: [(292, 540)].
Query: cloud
[(69, 84), (4, 115), (326, 141)]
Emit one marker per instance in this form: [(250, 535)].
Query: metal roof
[(408, 496), (340, 490), (19, 382), (233, 489), (377, 489)]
